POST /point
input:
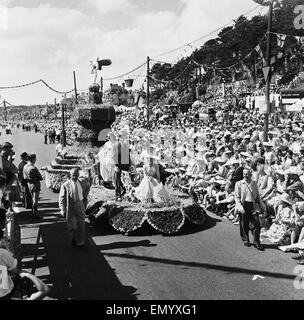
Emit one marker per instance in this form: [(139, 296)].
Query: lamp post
[(268, 71), (148, 92), (63, 134)]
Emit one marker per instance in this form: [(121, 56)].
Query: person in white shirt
[(8, 267), (72, 204), (248, 203)]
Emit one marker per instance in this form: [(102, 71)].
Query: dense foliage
[(221, 57)]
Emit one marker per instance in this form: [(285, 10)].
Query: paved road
[(200, 263)]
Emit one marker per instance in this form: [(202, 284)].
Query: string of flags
[(32, 83), (281, 38)]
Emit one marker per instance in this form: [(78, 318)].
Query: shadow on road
[(190, 228), (75, 274), (226, 269), (126, 244)]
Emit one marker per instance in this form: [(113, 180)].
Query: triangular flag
[(301, 41), (266, 72), (259, 51), (281, 40), (298, 39)]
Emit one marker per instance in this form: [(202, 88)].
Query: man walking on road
[(248, 205), (33, 177), (72, 204)]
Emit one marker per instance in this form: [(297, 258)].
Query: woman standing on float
[(108, 158)]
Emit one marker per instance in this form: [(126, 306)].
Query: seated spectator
[(8, 268), (284, 229), (29, 287)]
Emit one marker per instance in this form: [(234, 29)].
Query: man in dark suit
[(33, 177), (123, 164), (27, 197)]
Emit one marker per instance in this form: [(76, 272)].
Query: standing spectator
[(7, 165), (33, 177), (247, 201), (72, 204), (45, 136), (50, 133), (27, 198)]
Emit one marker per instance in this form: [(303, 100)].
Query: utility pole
[(214, 75), (75, 87), (55, 109), (148, 92), (63, 135), (5, 110), (268, 66)]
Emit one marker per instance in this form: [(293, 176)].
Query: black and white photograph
[(151, 153)]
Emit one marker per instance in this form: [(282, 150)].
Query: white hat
[(286, 198), (246, 154), (232, 162), (220, 160), (280, 172), (267, 144), (294, 170)]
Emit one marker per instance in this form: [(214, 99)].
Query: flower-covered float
[(167, 216)]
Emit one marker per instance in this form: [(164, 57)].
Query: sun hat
[(294, 170), (280, 172), (246, 154), (220, 160), (232, 162), (267, 144), (286, 198)]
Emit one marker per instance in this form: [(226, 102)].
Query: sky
[(49, 39)]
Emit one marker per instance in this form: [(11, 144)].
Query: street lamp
[(63, 134)]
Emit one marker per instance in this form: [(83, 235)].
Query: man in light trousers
[(72, 204)]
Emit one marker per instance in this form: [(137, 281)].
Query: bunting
[(281, 40), (300, 40), (260, 52)]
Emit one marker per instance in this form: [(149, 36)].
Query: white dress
[(107, 161), (150, 189)]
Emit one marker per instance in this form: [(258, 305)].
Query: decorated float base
[(127, 217), (58, 171)]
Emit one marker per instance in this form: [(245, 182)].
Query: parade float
[(92, 118), (128, 216)]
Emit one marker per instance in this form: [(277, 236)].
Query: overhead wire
[(255, 9), (125, 74), (32, 83)]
